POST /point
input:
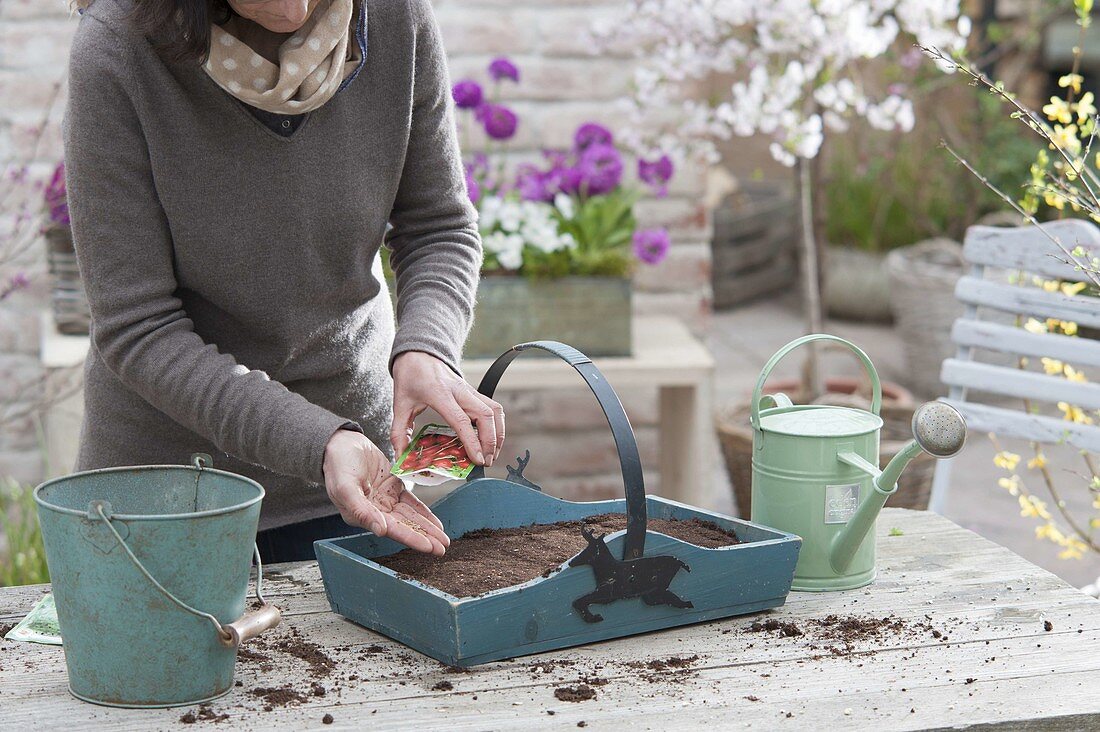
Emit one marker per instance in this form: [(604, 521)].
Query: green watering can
[(815, 473)]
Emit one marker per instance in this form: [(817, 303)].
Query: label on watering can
[(841, 502)]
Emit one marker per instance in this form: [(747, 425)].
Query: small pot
[(735, 436), (856, 287)]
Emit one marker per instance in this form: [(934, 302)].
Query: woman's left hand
[(422, 381)]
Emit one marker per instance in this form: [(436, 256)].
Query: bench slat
[(1028, 301), (1027, 249), (1019, 383), (1009, 339), (1013, 423)]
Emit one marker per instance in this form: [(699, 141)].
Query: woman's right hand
[(359, 484)]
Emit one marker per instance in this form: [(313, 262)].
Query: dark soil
[(786, 630), (578, 693), (327, 719), (443, 686), (204, 714), (491, 559), (4, 628), (293, 644), (282, 696)]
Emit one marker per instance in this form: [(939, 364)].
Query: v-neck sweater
[(233, 274)]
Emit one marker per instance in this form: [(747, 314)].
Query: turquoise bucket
[(149, 567)]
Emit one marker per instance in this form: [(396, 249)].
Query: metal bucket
[(149, 565)]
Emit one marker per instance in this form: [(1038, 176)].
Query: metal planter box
[(542, 614), (592, 313)]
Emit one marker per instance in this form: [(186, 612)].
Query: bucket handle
[(249, 625), (782, 400)]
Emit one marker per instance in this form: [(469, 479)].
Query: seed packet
[(434, 456)]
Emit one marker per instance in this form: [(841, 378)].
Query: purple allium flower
[(656, 174), (536, 185), (651, 245), (591, 133), (500, 122), (601, 169), (501, 68), (56, 201), (467, 94)]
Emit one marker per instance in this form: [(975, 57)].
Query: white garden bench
[(990, 251)]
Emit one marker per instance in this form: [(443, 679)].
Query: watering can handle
[(627, 446), (249, 625), (757, 392)]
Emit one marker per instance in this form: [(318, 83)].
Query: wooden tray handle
[(627, 446)]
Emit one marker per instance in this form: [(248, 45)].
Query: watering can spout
[(939, 430)]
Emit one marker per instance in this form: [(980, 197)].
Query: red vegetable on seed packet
[(434, 456)]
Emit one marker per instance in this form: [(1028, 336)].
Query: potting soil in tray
[(492, 559)]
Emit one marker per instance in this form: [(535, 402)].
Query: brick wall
[(563, 84)]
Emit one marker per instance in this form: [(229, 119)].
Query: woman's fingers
[(356, 510), (420, 507), (481, 414), (404, 417), (408, 533), (454, 414), (405, 514), (498, 420)]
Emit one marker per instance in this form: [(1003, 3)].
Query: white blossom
[(800, 68)]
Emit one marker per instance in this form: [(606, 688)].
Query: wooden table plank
[(988, 605)]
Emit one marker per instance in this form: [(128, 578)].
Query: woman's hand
[(421, 381), (359, 484)]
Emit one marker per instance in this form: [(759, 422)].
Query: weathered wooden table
[(984, 638)]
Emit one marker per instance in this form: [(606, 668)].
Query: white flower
[(564, 203), (508, 248)]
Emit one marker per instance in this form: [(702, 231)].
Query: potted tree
[(560, 235), (797, 79)]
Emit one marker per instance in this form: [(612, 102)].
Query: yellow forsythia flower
[(1058, 110), (1073, 288), (1069, 328), (1073, 374), (1037, 462), (1085, 108), (1074, 414), (1050, 285), (1032, 507), (1073, 81), (1074, 549), (1012, 485), (1052, 366), (1034, 326), (1065, 139), (1006, 460), (1050, 532)]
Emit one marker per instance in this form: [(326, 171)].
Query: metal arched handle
[(249, 625), (629, 459), (757, 392)]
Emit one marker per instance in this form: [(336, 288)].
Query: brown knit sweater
[(233, 274)]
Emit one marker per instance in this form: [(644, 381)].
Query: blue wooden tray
[(540, 615)]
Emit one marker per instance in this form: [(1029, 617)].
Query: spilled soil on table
[(491, 559)]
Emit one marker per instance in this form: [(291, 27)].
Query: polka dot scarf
[(313, 62)]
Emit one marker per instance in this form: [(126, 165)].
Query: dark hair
[(180, 29)]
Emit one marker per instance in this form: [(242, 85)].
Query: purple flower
[(600, 168), (56, 201), (473, 188), (656, 174), (501, 68), (651, 245), (536, 185), (591, 133), (467, 94), (500, 122)]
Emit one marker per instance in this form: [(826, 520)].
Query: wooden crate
[(755, 243), (538, 615), (541, 614)]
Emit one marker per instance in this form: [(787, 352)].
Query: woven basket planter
[(915, 484), (69, 302), (922, 295)]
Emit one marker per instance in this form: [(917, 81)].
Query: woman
[(233, 168)]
